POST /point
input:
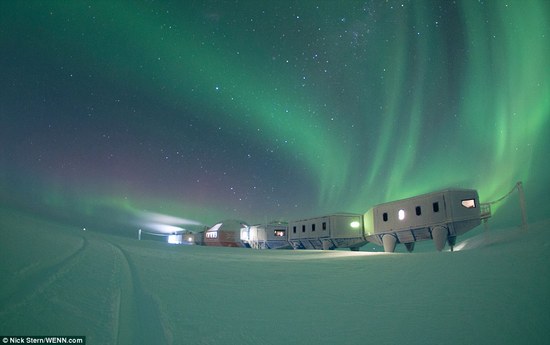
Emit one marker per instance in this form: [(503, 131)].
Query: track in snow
[(138, 308), (33, 284)]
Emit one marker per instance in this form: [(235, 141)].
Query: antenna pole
[(522, 206)]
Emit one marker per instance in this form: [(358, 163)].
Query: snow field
[(117, 290)]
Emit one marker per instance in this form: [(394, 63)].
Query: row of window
[(467, 203), (211, 234), (418, 211), (324, 225), (214, 234)]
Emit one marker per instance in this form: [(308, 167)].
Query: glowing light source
[(154, 217), (279, 233), (245, 236), (163, 228), (355, 224), (401, 214), (469, 203), (175, 239)]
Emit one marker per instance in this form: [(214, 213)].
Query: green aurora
[(275, 110)]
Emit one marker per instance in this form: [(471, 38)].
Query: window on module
[(469, 203), (281, 233)]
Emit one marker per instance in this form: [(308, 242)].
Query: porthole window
[(385, 216), (418, 210), (401, 214), (436, 206)]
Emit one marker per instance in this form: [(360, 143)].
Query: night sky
[(118, 112)]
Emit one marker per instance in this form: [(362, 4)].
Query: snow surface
[(61, 280)]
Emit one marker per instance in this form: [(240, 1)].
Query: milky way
[(258, 110)]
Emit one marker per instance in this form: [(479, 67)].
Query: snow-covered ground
[(60, 280)]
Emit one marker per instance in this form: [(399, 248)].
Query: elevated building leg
[(326, 245), (452, 241), (389, 242), (439, 235)]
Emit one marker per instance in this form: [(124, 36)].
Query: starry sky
[(116, 112)]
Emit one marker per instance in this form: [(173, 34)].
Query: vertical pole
[(522, 206)]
